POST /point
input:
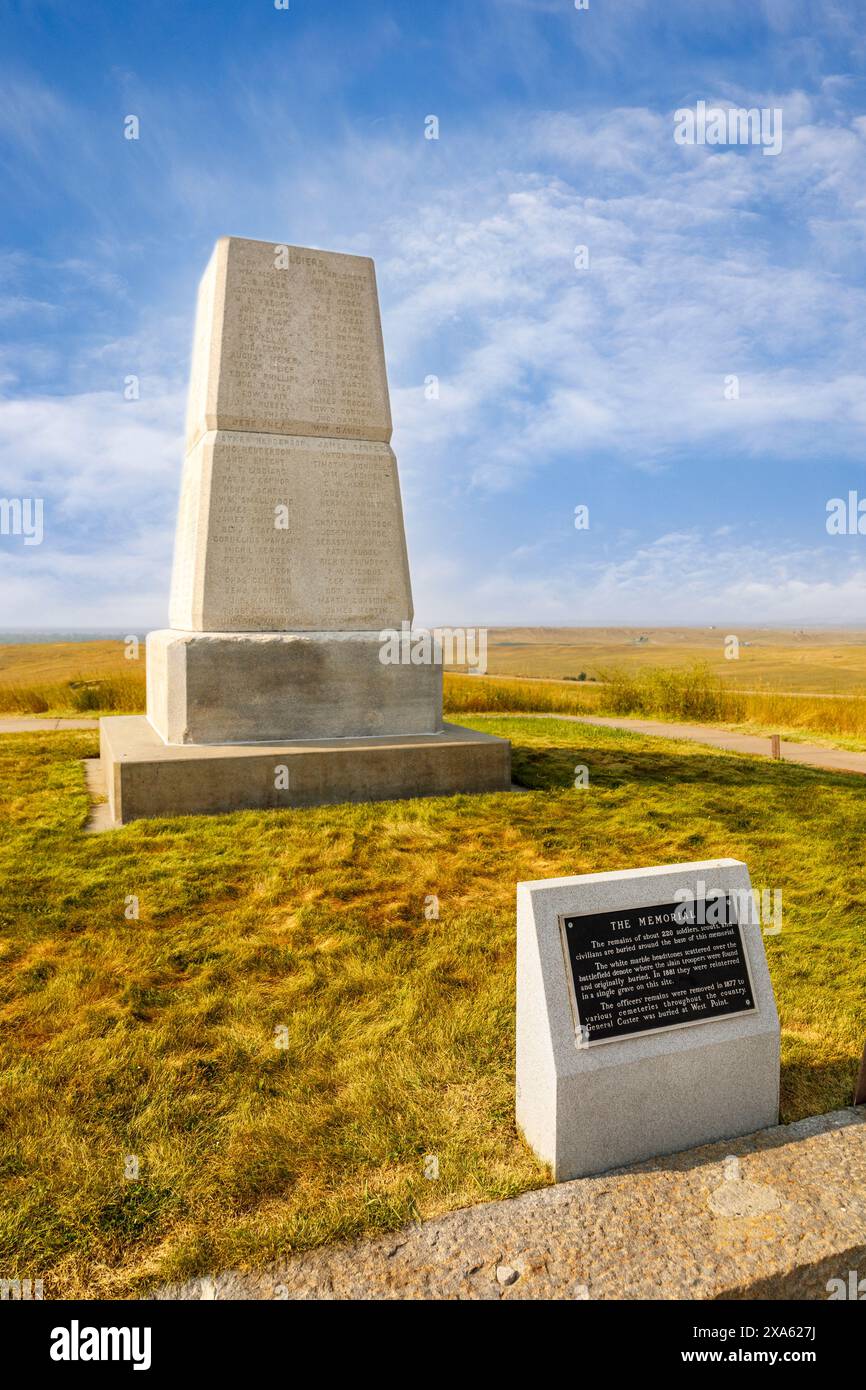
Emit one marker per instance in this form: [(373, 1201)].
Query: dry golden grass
[(70, 678), (104, 695), (831, 661), (54, 663)]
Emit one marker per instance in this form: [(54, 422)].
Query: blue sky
[(559, 386)]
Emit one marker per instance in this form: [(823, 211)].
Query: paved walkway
[(812, 754), (776, 1214)]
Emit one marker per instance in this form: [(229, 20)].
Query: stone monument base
[(279, 687), (146, 777)]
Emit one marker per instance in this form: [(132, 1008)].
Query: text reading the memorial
[(646, 969)]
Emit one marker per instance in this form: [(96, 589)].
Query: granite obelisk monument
[(270, 687)]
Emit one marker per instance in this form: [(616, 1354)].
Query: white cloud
[(679, 578), (703, 263), (685, 288), (108, 471)]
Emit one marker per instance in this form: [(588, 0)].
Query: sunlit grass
[(70, 678), (156, 1037), (87, 695)]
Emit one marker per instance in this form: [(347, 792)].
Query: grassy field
[(156, 1037), (51, 663), (70, 678), (819, 661)]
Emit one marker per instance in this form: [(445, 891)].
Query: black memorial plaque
[(645, 969)]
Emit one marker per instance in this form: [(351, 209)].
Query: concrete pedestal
[(146, 777), (276, 687)]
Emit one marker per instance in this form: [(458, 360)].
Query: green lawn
[(156, 1037)]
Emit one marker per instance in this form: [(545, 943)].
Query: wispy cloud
[(609, 384)]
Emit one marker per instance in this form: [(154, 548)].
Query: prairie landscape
[(798, 660), (802, 685)]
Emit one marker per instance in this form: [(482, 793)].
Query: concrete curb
[(775, 1214)]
